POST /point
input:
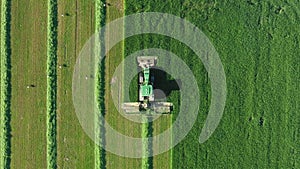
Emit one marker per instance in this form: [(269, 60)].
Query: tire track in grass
[(286, 22), (5, 84), (253, 88), (51, 84), (293, 79), (273, 119), (291, 12), (248, 65), (274, 84), (259, 72), (294, 100), (263, 83)]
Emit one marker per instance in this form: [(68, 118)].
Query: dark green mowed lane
[(258, 43)]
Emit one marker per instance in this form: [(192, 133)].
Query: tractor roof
[(146, 61)]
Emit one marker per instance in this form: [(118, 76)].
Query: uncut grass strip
[(51, 84), (5, 84)]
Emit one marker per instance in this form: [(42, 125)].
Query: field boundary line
[(5, 84)]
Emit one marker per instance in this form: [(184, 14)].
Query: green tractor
[(146, 103)]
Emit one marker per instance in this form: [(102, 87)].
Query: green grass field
[(258, 44)]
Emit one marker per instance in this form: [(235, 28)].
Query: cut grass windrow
[(145, 164), (51, 84), (100, 161), (147, 132), (5, 86)]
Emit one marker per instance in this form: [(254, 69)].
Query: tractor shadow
[(162, 82)]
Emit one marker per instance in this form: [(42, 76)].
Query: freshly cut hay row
[(5, 86), (51, 84), (100, 161), (147, 132), (145, 159), (100, 14)]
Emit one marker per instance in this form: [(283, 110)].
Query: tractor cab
[(146, 102)]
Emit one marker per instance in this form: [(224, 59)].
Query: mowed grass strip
[(51, 84), (115, 10), (5, 85), (76, 24), (29, 77)]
